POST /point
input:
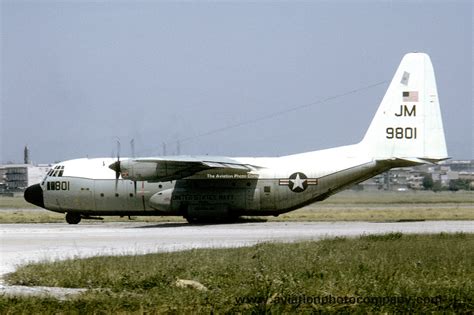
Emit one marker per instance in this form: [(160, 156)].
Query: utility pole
[(132, 146), (26, 155), (164, 148)]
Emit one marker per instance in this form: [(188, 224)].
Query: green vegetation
[(346, 206), (30, 216), (428, 181), (459, 184), (15, 203), (404, 197), (434, 271), (387, 206)]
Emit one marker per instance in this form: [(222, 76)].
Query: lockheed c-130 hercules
[(406, 130)]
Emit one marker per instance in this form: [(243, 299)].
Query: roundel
[(298, 182)]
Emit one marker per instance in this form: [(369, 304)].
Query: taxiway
[(23, 243)]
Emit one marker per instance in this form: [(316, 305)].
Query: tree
[(457, 184), (427, 182), (437, 186)]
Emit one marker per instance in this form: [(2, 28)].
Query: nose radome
[(34, 195)]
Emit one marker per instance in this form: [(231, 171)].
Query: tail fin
[(408, 123)]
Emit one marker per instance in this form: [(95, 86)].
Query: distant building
[(402, 179), (3, 178), (16, 177)]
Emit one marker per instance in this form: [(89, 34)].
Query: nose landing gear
[(73, 218)]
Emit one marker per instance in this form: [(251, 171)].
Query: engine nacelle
[(155, 170), (138, 171)]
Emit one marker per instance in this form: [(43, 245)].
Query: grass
[(380, 213), (406, 197), (15, 203), (345, 206), (434, 271), (387, 206)]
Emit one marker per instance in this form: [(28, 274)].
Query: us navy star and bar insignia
[(298, 182)]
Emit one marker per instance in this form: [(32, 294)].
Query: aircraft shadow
[(161, 225), (179, 224)]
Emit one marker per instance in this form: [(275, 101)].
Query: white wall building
[(19, 176)]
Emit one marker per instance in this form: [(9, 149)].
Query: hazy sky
[(75, 75)]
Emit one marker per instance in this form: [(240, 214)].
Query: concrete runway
[(23, 243)]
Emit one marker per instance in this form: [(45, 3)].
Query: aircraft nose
[(34, 195)]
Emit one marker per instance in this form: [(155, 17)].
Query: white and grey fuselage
[(278, 185)]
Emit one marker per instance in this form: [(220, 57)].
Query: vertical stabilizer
[(408, 122)]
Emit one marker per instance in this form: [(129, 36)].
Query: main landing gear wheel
[(73, 218)]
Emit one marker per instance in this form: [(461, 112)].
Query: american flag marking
[(410, 96)]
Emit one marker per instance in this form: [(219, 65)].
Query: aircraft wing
[(172, 168)]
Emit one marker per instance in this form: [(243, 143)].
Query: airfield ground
[(393, 272)]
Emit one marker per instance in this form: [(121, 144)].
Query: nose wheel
[(73, 218)]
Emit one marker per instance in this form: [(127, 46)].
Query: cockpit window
[(57, 171)]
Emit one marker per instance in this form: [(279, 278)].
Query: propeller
[(132, 147), (116, 166)]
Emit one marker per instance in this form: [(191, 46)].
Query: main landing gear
[(73, 218)]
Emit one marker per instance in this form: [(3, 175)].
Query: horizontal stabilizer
[(402, 162)]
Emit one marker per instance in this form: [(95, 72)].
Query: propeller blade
[(118, 169), (117, 174)]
